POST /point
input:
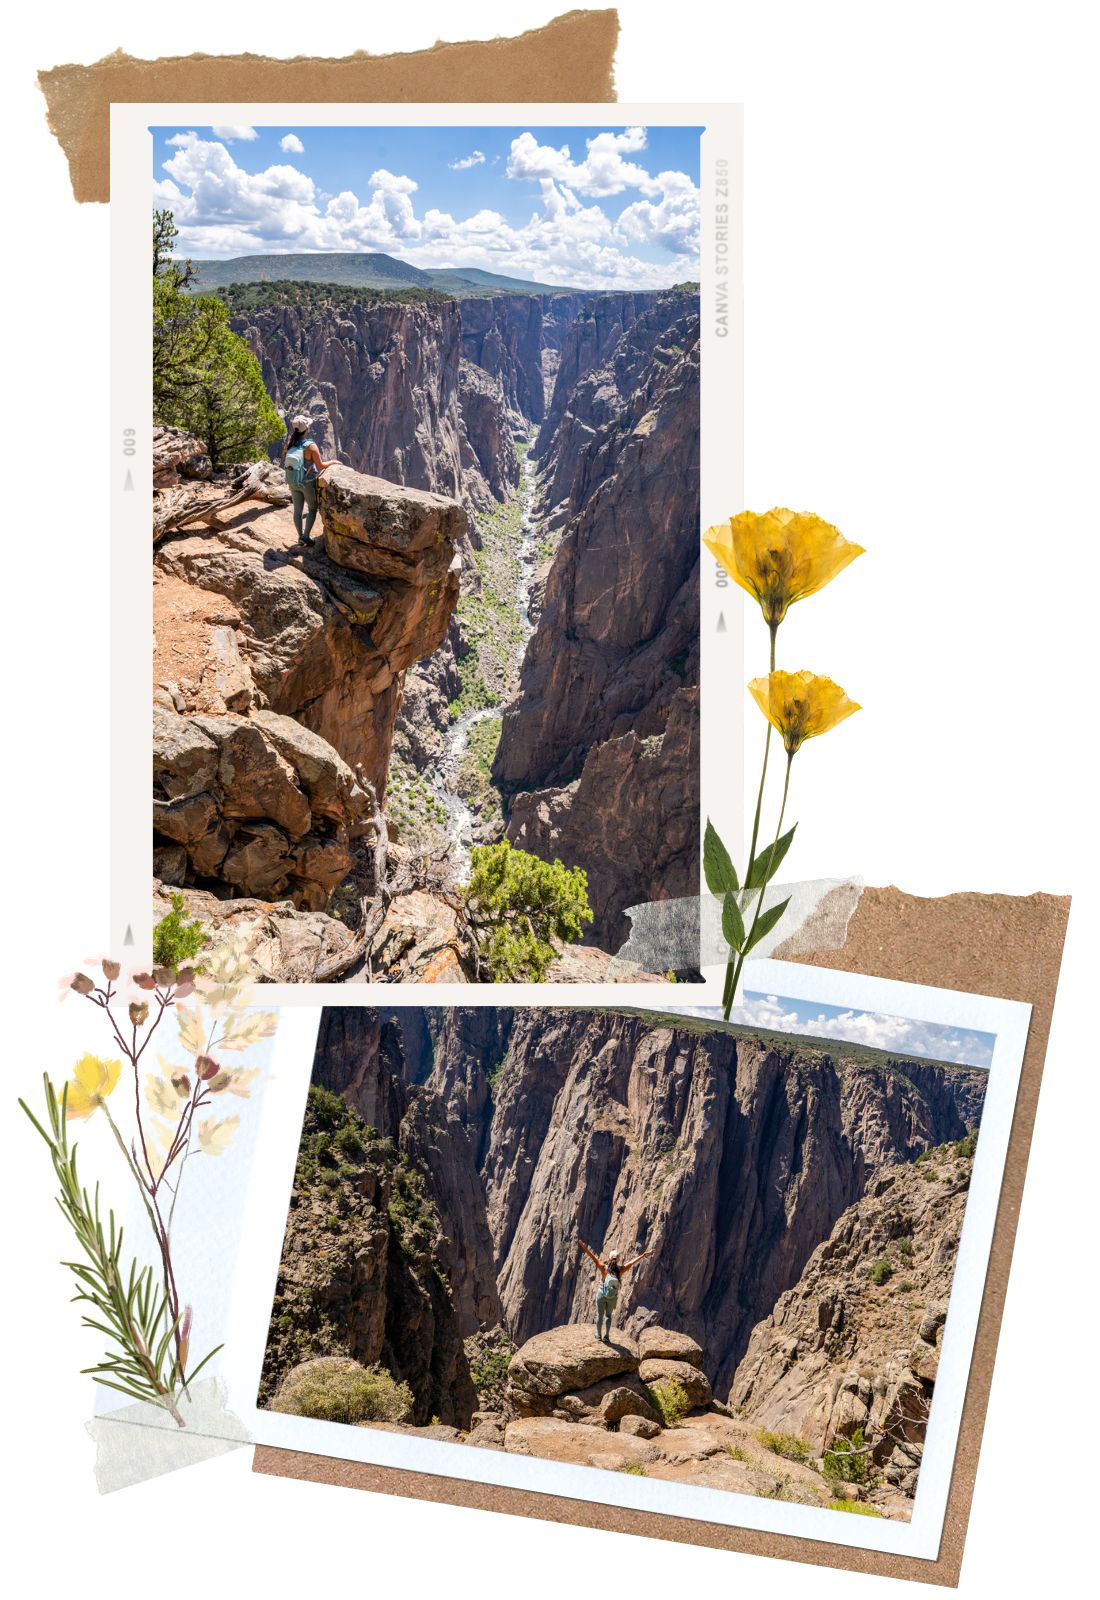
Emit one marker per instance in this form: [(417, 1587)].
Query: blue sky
[(599, 207), (908, 1036)]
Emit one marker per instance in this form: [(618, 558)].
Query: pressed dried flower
[(207, 1067), (111, 969), (215, 1137), (139, 1013), (801, 705), (82, 984), (160, 1096), (780, 556), (91, 1083), (181, 1083)]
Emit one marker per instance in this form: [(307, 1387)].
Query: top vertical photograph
[(426, 515)]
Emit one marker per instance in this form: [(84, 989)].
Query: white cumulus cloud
[(474, 159), (572, 236), (899, 1035), (291, 143), (235, 130)]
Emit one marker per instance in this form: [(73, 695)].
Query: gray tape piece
[(677, 935), (141, 1441)]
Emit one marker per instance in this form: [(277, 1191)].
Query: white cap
[(301, 423)]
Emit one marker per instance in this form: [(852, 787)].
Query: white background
[(921, 359)]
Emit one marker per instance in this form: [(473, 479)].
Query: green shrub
[(348, 1141), (967, 1147), (788, 1445), (859, 1507), (904, 1248), (670, 1400), (490, 1356), (736, 1452), (335, 1389), (176, 942), (846, 1459), (518, 905), (882, 1271), (635, 1470)]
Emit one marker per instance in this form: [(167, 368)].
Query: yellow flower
[(800, 705), (780, 556), (91, 1083)]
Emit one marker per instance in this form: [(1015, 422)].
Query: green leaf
[(733, 926), (768, 862), (766, 921), (718, 869)]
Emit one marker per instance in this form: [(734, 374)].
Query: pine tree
[(205, 378)]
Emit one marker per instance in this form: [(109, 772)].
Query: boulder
[(665, 1344), (487, 1434), (333, 789), (255, 780), (565, 1359), (695, 1383), (640, 1427), (607, 1402), (185, 759)]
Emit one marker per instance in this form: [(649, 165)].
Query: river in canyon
[(442, 775)]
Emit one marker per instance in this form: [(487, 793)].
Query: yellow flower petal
[(801, 705), (91, 1083), (780, 556)]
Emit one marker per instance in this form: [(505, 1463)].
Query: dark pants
[(304, 500)]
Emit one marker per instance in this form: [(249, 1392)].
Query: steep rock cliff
[(372, 1059), (604, 732), (854, 1344), (280, 674), (380, 380), (364, 1267), (729, 1155)]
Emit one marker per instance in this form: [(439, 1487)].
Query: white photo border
[(267, 1207), (722, 612)]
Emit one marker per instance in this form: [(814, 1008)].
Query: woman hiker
[(612, 1271), (302, 465)]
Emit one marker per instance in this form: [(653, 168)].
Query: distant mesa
[(363, 270)]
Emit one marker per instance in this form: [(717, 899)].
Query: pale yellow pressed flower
[(780, 556), (161, 1096), (800, 705), (91, 1083), (214, 1137)]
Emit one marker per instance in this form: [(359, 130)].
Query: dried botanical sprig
[(143, 1317), (129, 1306)]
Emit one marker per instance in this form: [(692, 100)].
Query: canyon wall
[(599, 753), (729, 1155)]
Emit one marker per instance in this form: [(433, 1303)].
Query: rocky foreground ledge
[(642, 1407), (279, 671)]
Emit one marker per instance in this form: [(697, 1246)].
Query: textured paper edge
[(569, 59), (1002, 945)]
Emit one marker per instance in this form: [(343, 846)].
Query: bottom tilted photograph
[(713, 1255)]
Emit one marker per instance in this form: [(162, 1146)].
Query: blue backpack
[(297, 469)]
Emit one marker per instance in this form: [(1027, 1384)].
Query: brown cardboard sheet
[(570, 59), (999, 945)]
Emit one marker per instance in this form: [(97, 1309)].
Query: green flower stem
[(731, 981), (730, 984), (773, 629)]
